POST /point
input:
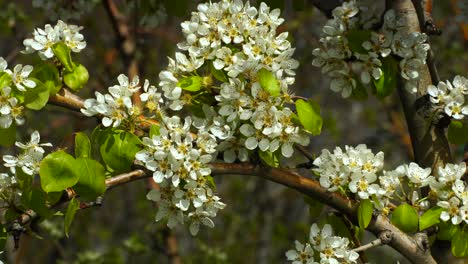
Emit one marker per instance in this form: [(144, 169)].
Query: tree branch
[(407, 245)]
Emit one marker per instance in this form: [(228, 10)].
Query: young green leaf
[(62, 52), (387, 82), (460, 244), (58, 171), (8, 135), (406, 218), (119, 149), (356, 38), (268, 82), (447, 230), (191, 83), (92, 182), (35, 199), (309, 116), (269, 158), (359, 92), (49, 75), (220, 75), (5, 80), (365, 210), (37, 98), (430, 217), (82, 146), (77, 78), (73, 206), (457, 132), (154, 130)]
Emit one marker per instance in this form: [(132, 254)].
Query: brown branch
[(402, 242), (69, 194), (67, 99)]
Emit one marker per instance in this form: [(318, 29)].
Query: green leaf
[(457, 132), (8, 135), (220, 75), (154, 130), (387, 82), (355, 39), (49, 75), (92, 182), (5, 80), (365, 209), (35, 199), (309, 116), (3, 237), (447, 230), (460, 244), (119, 149), (58, 172), (24, 180), (37, 97), (82, 146), (269, 82), (62, 52), (73, 206), (430, 217), (406, 218), (77, 78), (315, 206), (271, 159), (191, 83)]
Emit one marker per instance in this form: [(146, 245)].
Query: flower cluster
[(356, 170), (10, 109), (354, 167), (30, 157), (342, 55), (116, 106), (44, 39), (451, 192), (331, 249), (233, 42), (450, 96), (180, 160)]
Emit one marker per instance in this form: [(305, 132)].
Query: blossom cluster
[(359, 171), (236, 41), (43, 39), (340, 59), (10, 108), (30, 157), (180, 160), (116, 106), (331, 249), (450, 96)]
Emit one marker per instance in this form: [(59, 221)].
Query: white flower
[(20, 77), (418, 176), (34, 143), (301, 254), (452, 210), (456, 109)]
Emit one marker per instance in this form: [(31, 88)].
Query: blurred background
[(261, 219)]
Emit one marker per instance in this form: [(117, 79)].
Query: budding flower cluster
[(343, 62), (451, 96), (43, 39), (331, 249)]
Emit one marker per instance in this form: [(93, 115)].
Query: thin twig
[(372, 244)]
